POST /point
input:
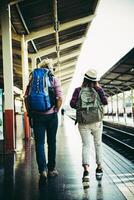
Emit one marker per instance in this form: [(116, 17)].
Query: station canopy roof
[(51, 31), (120, 77)]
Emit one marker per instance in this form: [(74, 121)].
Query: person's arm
[(26, 98), (101, 93), (59, 103), (26, 95), (59, 94)]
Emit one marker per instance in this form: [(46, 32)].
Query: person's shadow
[(99, 192), (49, 190)]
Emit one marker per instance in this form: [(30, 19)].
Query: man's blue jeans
[(45, 124)]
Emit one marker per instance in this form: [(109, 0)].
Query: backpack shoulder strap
[(51, 76), (98, 98)]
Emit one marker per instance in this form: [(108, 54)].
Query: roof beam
[(14, 36), (68, 56), (15, 51), (46, 51), (12, 2), (66, 81), (17, 65), (66, 78), (69, 73), (64, 67), (50, 30), (68, 64), (66, 72)]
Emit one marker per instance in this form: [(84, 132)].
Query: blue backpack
[(41, 95)]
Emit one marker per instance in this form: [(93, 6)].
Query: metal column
[(56, 29), (34, 63), (25, 78)]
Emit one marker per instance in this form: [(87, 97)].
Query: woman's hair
[(88, 83), (46, 63)]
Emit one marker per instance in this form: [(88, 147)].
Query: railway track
[(121, 141)]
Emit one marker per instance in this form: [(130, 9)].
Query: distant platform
[(127, 121), (124, 121)]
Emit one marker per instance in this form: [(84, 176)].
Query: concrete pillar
[(9, 136), (25, 79)]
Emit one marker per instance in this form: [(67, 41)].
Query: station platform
[(19, 178)]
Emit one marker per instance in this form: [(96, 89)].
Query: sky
[(109, 38)]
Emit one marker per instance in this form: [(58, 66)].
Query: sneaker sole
[(99, 174)]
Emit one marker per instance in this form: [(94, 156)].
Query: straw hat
[(91, 75)]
